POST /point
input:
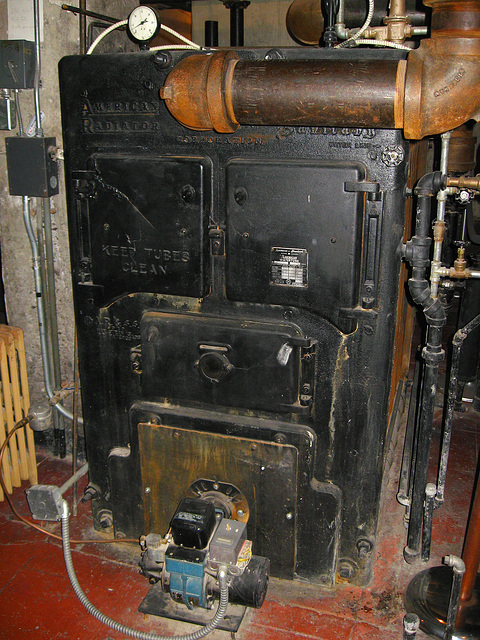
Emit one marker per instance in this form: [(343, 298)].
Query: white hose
[(363, 28), (108, 30), (174, 47), (128, 631), (383, 43), (180, 37), (122, 23)]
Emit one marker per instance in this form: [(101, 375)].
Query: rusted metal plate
[(173, 459)]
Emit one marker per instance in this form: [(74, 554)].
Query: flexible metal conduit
[(134, 633)]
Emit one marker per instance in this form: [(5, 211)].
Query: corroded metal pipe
[(322, 92), (435, 90), (221, 92)]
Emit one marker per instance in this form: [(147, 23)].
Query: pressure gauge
[(143, 24)]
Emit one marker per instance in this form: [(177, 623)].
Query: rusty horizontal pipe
[(221, 92), (435, 90), (323, 92)]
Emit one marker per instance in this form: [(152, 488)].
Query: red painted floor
[(37, 601)]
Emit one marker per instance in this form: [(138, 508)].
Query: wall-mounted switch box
[(32, 169), (17, 64)]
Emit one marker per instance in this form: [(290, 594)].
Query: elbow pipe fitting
[(435, 90), (430, 184), (441, 85), (432, 308), (457, 564)]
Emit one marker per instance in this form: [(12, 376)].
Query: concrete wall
[(264, 22), (61, 36)]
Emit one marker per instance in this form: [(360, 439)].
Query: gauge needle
[(140, 23)]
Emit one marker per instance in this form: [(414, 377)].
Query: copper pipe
[(465, 182), (471, 554)]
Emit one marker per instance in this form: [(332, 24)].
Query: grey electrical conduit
[(40, 309), (121, 628), (47, 373)]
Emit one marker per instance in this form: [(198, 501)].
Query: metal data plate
[(173, 459)]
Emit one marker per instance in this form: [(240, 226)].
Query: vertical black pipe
[(329, 10), (211, 33), (432, 354), (458, 341), (417, 252), (411, 624), (458, 570), (430, 492), (83, 27), (409, 442), (236, 8)]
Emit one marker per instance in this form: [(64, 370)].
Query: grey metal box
[(227, 541), (31, 168), (17, 64)]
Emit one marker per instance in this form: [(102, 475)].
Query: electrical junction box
[(228, 541), (17, 64), (32, 171), (45, 501)]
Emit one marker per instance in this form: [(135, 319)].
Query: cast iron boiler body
[(235, 296)]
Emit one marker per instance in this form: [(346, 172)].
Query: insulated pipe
[(434, 91)]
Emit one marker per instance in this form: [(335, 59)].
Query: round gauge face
[(143, 24)]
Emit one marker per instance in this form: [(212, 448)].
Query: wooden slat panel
[(19, 460), (8, 414), (16, 398), (25, 400)]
